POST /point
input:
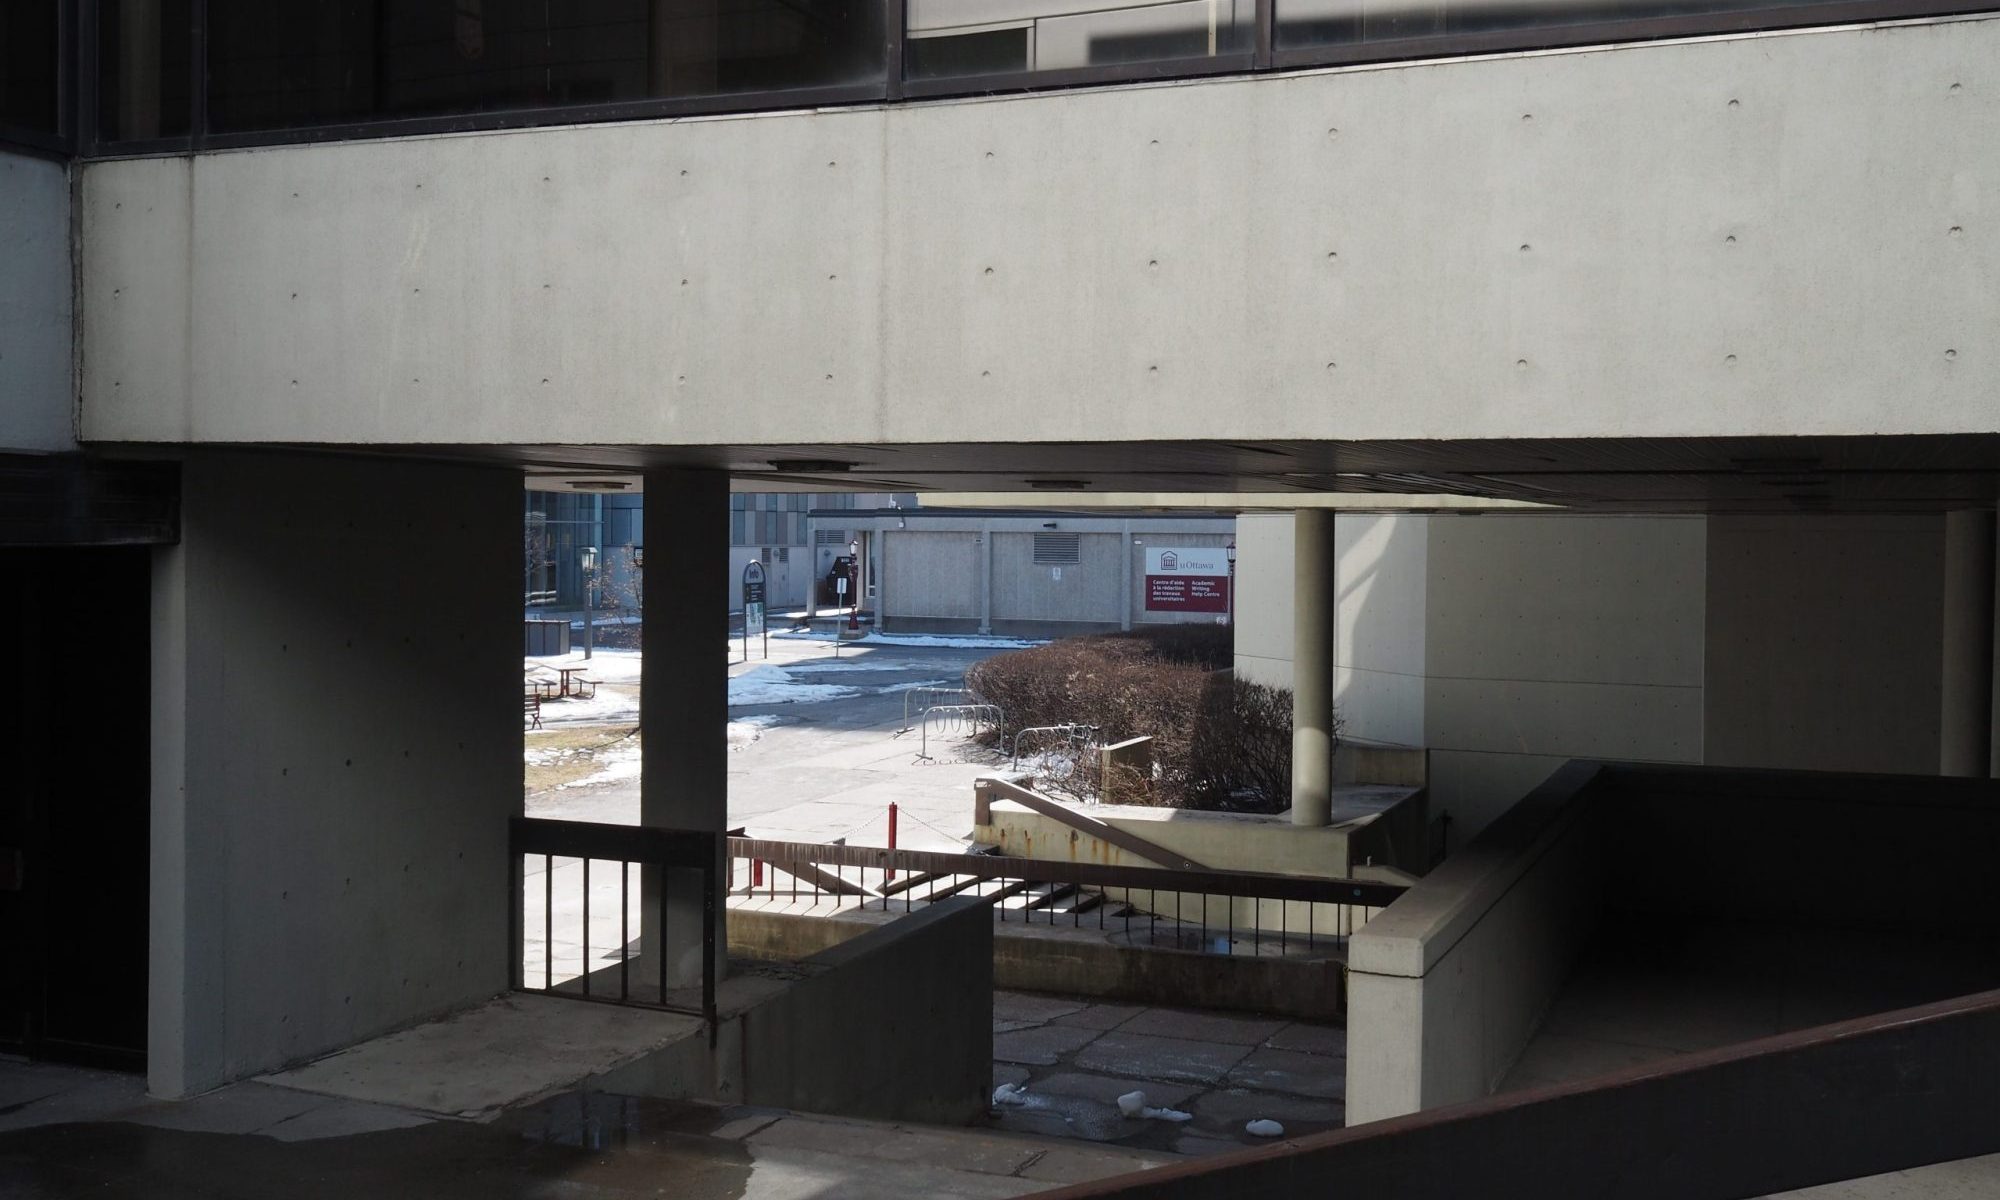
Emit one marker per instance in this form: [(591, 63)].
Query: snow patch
[(748, 730), (615, 765), (776, 685), (944, 641)]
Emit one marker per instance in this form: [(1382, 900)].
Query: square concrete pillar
[(684, 698)]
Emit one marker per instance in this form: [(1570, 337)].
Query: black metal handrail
[(646, 847), (924, 875)]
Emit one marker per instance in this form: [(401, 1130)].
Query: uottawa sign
[(1187, 579)]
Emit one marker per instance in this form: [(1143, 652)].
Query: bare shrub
[(1217, 744)]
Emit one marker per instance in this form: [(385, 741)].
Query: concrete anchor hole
[(1957, 230), (1951, 354)]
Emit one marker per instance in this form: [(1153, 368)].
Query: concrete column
[(1313, 597), (1966, 720), (684, 696)]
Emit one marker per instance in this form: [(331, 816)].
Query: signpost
[(753, 608), (1187, 579), (840, 594)]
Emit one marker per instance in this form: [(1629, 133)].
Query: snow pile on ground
[(1133, 1104), (608, 705), (746, 731), (1264, 1128), (776, 685), (944, 641)]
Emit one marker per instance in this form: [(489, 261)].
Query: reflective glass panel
[(276, 64), (145, 52), (1307, 23), (987, 37), (30, 49)]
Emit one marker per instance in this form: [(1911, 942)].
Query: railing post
[(889, 873)]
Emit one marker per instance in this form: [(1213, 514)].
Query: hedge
[(1218, 743)]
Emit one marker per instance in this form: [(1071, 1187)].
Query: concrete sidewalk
[(66, 1132)]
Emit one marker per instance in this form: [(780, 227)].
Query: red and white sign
[(1187, 579)]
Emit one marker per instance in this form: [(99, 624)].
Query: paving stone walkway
[(1075, 1057)]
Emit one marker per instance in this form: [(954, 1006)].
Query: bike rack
[(956, 718), (1078, 736), (933, 697)]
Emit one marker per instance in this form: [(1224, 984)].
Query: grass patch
[(553, 757)]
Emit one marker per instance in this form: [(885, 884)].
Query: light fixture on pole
[(588, 561)]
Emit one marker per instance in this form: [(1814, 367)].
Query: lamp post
[(1229, 552), (588, 557), (854, 584)]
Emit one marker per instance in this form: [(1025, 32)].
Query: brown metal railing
[(1233, 912)]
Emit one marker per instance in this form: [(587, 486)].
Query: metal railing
[(1076, 737), (966, 720), (642, 861), (1225, 912), (921, 699)]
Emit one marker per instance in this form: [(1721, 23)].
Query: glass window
[(144, 58), (276, 64), (985, 37), (1312, 23), (30, 54)]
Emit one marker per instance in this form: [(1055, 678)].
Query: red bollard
[(890, 873), (756, 873)]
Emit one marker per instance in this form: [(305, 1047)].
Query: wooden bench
[(531, 709)]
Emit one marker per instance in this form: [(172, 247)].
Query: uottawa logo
[(1170, 561)]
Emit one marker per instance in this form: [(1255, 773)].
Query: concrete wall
[(1080, 961), (1825, 642), (958, 573), (1218, 841), (1549, 638), (785, 583), (37, 398), (1442, 249), (1446, 986), (1382, 564), (932, 574), (1264, 598), (895, 1024), (1507, 645), (336, 752), (1086, 592), (1967, 655)]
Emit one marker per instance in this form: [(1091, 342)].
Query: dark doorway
[(74, 802)]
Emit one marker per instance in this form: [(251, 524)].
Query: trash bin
[(547, 638)]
